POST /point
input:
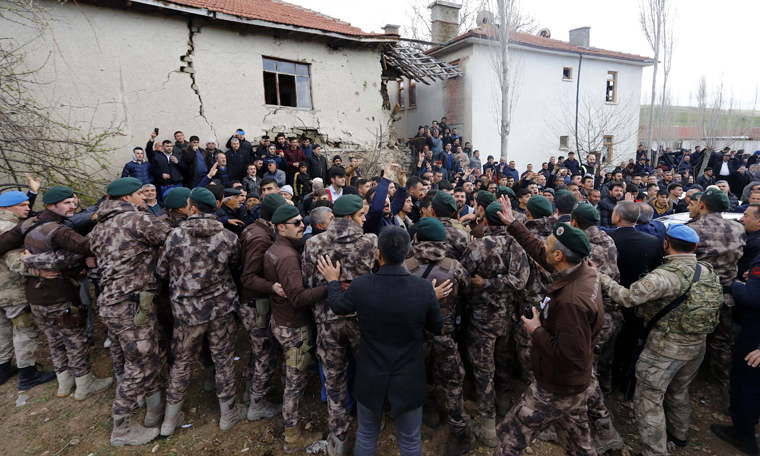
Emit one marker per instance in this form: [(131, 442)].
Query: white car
[(683, 217)]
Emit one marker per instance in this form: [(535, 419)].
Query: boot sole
[(180, 420), (123, 442)]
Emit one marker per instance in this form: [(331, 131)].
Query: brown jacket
[(282, 263), (563, 347), (254, 242)]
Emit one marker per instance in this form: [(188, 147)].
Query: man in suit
[(393, 307)]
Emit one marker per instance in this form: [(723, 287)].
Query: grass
[(687, 116)]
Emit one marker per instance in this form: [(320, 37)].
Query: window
[(611, 86), (567, 74), (563, 142), (287, 84), (607, 143), (412, 94), (401, 92)]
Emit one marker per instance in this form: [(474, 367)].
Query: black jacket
[(606, 206), (191, 163), (162, 164), (751, 250), (393, 307), (317, 167), (638, 253), (238, 163), (245, 145)]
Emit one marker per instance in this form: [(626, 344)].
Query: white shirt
[(333, 194), (724, 169)]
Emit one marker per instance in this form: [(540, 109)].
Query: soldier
[(254, 307), (444, 206), (55, 302), (499, 268), (604, 255), (126, 244), (429, 262), (338, 335), (203, 297), (177, 207), (721, 244), (679, 302), (18, 332), (292, 321), (478, 224)]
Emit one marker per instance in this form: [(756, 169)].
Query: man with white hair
[(155, 207)]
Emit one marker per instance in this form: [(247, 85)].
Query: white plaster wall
[(122, 66)]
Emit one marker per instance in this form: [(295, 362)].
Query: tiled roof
[(280, 13)]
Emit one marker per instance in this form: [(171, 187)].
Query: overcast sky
[(716, 39)]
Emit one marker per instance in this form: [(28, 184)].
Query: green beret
[(271, 203), (177, 197), (492, 215), (347, 205), (123, 186), (717, 198), (504, 190), (539, 206), (57, 194), (203, 195), (285, 213), (444, 204), (587, 211), (572, 238), (484, 198), (430, 229), (563, 192)]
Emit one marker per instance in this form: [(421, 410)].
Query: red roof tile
[(280, 13)]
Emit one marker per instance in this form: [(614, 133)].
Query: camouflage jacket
[(126, 245), (538, 283), (503, 264), (433, 252), (172, 218), (456, 239), (541, 227), (197, 259), (343, 241), (11, 289), (604, 255), (721, 243)]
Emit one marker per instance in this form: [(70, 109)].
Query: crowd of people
[(397, 286)]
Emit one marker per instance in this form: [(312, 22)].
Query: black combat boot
[(29, 377), (7, 370)]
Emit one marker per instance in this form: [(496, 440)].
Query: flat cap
[(270, 204), (492, 215), (485, 198), (59, 193), (431, 229), (504, 190), (12, 198), (203, 195), (347, 205), (539, 206), (683, 233), (572, 238), (284, 213), (717, 198), (587, 211), (124, 186), (444, 204), (232, 191), (177, 197)]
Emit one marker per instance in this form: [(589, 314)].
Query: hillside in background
[(686, 116)]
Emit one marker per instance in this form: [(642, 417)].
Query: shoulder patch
[(412, 264), (445, 264), (648, 285)]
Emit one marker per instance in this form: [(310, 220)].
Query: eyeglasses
[(295, 223)]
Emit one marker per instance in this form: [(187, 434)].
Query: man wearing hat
[(125, 243), (292, 321), (338, 335), (721, 243), (478, 224), (177, 208), (444, 207), (202, 304), (261, 149), (230, 211), (272, 172), (499, 268), (675, 345), (254, 308), (573, 308), (55, 302), (18, 333)]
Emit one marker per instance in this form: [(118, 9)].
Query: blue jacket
[(655, 228), (138, 171)]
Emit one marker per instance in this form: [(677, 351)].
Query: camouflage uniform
[(203, 297), (296, 380), (721, 243), (456, 238), (503, 264), (671, 357), (337, 335), (126, 244), (443, 349)]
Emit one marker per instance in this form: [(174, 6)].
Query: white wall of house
[(123, 66)]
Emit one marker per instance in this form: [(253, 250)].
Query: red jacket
[(294, 158)]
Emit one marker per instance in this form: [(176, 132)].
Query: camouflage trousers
[(524, 344), (68, 345), (186, 345), (335, 339), (295, 379), (263, 361), (142, 358), (539, 409), (117, 355), (488, 349), (721, 342), (449, 374), (166, 326), (19, 339), (661, 400), (613, 323)]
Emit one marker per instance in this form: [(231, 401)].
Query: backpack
[(700, 313)]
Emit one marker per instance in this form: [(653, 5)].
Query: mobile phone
[(156, 130), (528, 312)]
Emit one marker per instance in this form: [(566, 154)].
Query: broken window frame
[(412, 89), (564, 142), (569, 72), (295, 75), (401, 93), (612, 77)]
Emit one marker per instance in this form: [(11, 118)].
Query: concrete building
[(549, 74), (207, 67)]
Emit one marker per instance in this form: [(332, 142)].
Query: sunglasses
[(295, 223)]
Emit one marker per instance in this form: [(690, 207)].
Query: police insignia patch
[(648, 285)]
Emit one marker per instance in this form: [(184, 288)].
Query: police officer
[(444, 207), (675, 346), (429, 262)]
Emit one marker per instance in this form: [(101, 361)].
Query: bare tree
[(668, 46), (418, 13), (651, 17)]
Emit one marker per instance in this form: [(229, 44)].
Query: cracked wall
[(205, 78)]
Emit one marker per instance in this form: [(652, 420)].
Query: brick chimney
[(580, 37), (444, 18)]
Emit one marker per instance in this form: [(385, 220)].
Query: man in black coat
[(317, 164), (751, 221), (245, 145), (393, 308), (238, 160), (608, 203)]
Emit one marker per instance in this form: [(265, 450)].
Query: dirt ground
[(50, 426)]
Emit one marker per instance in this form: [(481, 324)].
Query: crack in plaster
[(187, 59)]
